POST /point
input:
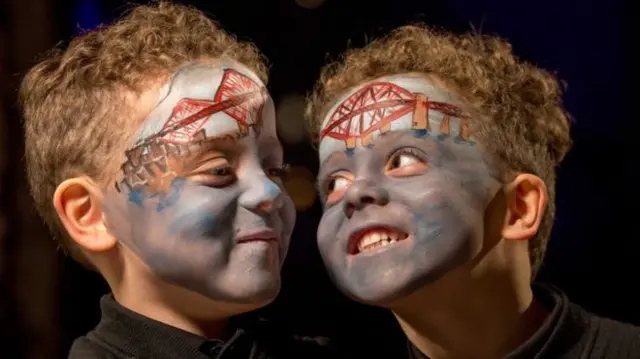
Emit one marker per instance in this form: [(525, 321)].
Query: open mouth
[(374, 238)]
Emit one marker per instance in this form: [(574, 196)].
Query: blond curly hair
[(519, 116), (73, 102)]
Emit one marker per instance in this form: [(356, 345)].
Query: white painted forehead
[(195, 81), (389, 104), (412, 83)]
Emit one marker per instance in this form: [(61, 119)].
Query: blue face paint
[(401, 213), (178, 204), (271, 189), (173, 196)]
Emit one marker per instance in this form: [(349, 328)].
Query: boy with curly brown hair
[(438, 161), (152, 154)]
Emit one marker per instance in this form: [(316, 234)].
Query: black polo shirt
[(123, 333), (571, 332)]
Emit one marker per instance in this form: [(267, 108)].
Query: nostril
[(367, 200), (349, 209), (265, 206)]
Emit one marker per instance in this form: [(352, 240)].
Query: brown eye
[(278, 172), (336, 186), (222, 171), (406, 162), (402, 160), (216, 173)]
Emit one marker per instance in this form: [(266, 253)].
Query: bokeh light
[(290, 119), (300, 185)]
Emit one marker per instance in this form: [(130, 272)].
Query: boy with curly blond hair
[(152, 154), (438, 166)]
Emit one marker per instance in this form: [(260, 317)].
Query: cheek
[(328, 227), (440, 200), (288, 215), (202, 211)]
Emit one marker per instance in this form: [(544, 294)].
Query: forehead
[(214, 97), (391, 103)]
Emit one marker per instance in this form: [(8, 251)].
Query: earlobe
[(526, 200), (78, 204)]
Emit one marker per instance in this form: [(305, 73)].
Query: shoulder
[(87, 348), (607, 338)]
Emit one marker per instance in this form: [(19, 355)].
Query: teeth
[(376, 240)]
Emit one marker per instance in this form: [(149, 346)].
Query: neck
[(467, 316), (171, 305)]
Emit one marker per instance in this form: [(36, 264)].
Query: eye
[(406, 162), (278, 172), (221, 171), (336, 186), (216, 173)]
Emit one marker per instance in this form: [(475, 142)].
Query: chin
[(372, 291), (385, 277), (255, 289), (243, 297)]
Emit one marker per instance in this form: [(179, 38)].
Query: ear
[(78, 202), (526, 200)]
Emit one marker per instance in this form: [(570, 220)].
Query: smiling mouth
[(373, 239), (264, 235)]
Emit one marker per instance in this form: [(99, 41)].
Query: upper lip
[(263, 234), (355, 233)]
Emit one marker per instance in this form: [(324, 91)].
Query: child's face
[(199, 199), (405, 188)]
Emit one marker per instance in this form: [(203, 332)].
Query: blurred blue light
[(87, 15)]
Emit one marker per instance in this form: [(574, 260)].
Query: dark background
[(46, 300)]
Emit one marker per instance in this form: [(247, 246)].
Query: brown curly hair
[(74, 100), (519, 116)]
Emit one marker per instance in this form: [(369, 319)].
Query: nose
[(261, 195), (362, 193)]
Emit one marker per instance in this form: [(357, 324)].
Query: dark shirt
[(123, 333), (571, 332)]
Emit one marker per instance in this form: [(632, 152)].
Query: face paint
[(405, 188), (199, 199)]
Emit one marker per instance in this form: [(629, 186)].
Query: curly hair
[(73, 102), (518, 113)]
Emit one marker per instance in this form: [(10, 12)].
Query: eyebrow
[(223, 142), (329, 162)]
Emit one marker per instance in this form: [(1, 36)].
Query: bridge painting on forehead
[(154, 164), (382, 106)]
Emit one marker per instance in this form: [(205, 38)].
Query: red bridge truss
[(376, 105), (238, 96)]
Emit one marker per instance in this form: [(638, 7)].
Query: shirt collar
[(139, 336), (550, 298)]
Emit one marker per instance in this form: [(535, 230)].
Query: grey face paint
[(200, 200), (405, 188)]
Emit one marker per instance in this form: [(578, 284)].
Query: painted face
[(405, 188), (200, 199)]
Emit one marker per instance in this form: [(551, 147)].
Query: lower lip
[(254, 240)]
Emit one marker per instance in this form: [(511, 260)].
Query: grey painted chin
[(216, 267), (257, 288), (388, 275), (262, 289), (398, 270), (255, 283)]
